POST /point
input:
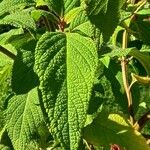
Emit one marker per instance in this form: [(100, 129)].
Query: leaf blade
[(118, 131), (23, 118), (58, 68)]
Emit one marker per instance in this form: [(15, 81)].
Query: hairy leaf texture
[(13, 5), (80, 19), (23, 118), (19, 19), (65, 64)]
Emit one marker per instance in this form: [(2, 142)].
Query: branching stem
[(7, 53), (124, 63)]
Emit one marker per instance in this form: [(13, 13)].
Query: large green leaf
[(106, 18), (23, 118), (65, 64), (114, 129)]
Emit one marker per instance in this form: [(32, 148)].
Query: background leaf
[(107, 19), (62, 7), (114, 129), (19, 19), (23, 75)]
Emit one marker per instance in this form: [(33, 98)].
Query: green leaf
[(145, 48), (141, 26), (37, 14), (108, 92), (80, 19), (107, 19), (62, 7), (40, 3), (114, 129), (5, 36), (118, 52), (81, 24), (142, 58), (72, 14), (140, 79), (19, 19), (13, 5), (94, 7), (65, 64), (23, 75), (3, 147), (145, 11), (5, 74), (23, 118)]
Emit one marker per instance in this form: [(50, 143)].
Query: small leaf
[(72, 14), (144, 80), (80, 19), (118, 52), (36, 14), (105, 60), (40, 3), (114, 129), (66, 64), (145, 11), (23, 118), (141, 57)]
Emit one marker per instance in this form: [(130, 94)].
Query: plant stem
[(136, 10), (46, 22), (142, 121), (124, 63), (7, 53)]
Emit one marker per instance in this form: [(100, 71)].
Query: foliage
[(74, 75)]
